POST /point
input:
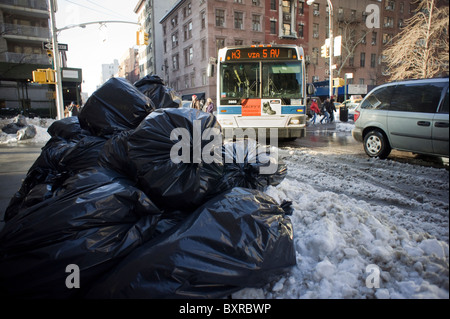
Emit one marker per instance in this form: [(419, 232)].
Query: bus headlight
[(294, 121)]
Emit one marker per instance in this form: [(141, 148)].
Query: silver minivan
[(408, 116)]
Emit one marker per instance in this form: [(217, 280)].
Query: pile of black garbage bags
[(107, 197)]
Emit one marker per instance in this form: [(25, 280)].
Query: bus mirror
[(210, 70), (310, 89)]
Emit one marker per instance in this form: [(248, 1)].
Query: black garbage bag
[(68, 128), (242, 238), (170, 157), (114, 155), (161, 95), (42, 176), (83, 155), (95, 219), (252, 165), (115, 107)]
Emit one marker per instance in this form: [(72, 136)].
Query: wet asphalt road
[(15, 160)]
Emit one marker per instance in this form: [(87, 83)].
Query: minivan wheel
[(376, 145)]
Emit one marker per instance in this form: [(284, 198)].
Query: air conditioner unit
[(315, 35), (316, 12), (363, 41), (327, 72), (307, 58), (373, 43)]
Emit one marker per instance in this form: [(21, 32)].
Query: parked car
[(409, 116)]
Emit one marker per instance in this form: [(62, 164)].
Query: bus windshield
[(275, 80)]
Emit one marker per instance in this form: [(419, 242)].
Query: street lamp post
[(58, 75), (331, 45)]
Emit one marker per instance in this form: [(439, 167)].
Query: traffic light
[(325, 50), (145, 37), (141, 37), (338, 82), (44, 76)]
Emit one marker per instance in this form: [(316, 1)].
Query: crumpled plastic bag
[(97, 218), (252, 165), (161, 95), (241, 238), (116, 106)]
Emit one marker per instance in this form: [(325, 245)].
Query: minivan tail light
[(356, 116)]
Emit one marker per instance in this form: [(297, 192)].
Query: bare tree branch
[(421, 49)]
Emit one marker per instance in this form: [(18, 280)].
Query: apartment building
[(24, 29), (193, 31), (149, 14), (129, 65), (361, 46)]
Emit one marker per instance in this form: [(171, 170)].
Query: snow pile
[(40, 124), (362, 231)]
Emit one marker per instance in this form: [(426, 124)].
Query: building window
[(165, 46), (273, 27), (204, 78), (238, 1), (220, 43), (188, 56), (374, 38), (220, 18), (273, 4), (315, 30), (316, 8), (351, 61), (256, 2), (238, 42), (175, 39), (187, 30), (192, 80), (390, 5), (315, 78), (301, 29), (174, 22), (362, 60), (387, 38), (361, 81), (203, 19), (301, 7), (186, 81), (203, 44), (315, 56), (373, 60), (175, 64), (239, 20), (256, 22)]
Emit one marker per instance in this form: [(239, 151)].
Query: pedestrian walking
[(314, 107), (195, 103), (332, 110), (209, 106), (325, 108)]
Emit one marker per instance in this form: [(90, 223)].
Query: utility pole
[(57, 62)]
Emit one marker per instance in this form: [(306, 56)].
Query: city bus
[(262, 87)]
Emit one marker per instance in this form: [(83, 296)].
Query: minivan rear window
[(379, 99), (415, 97)]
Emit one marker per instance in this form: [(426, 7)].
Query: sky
[(90, 47)]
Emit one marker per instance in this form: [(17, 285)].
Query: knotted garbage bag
[(241, 238), (115, 107), (161, 95)]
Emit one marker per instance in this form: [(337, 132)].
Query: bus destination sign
[(260, 53)]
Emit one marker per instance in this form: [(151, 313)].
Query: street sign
[(49, 46)]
